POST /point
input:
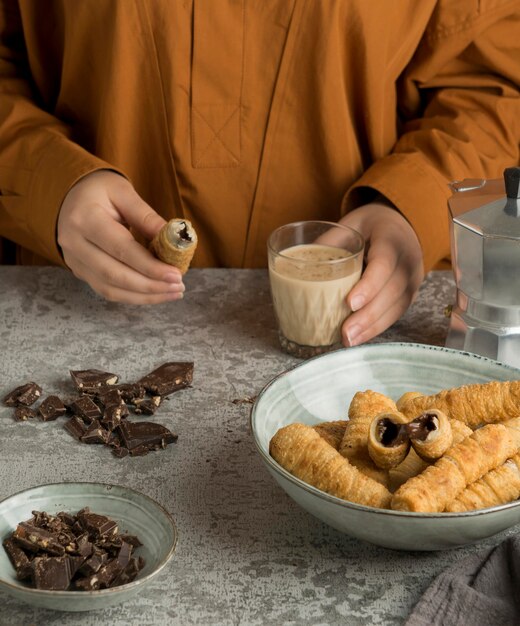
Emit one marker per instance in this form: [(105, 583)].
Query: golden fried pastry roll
[(410, 467), (388, 440), (498, 486), (465, 462), (414, 465), (302, 452), (406, 397), (472, 404), (514, 426), (365, 464), (430, 434), (332, 432), (364, 407), (176, 243)]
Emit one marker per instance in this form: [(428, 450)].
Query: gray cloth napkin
[(483, 589)]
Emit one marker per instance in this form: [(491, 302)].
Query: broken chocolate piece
[(96, 524), (51, 572), (95, 434), (112, 397), (140, 435), (25, 394), (19, 559), (92, 379), (85, 408), (23, 413), (112, 417), (35, 539), (168, 378), (92, 565), (76, 427), (131, 392), (51, 408), (147, 406)]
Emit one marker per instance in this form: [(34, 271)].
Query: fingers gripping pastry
[(332, 432), (498, 486), (176, 243), (364, 407), (388, 440), (413, 464), (430, 434), (465, 462), (472, 404), (302, 452), (406, 397)]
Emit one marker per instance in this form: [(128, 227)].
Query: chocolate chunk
[(95, 434), (35, 539), (76, 427), (95, 524), (23, 413), (168, 378), (129, 573), (51, 408), (92, 565), (147, 406), (140, 435), (111, 398), (132, 540), (75, 562), (112, 417), (130, 392), (18, 558), (86, 408), (108, 573), (25, 394), (92, 379), (84, 546), (52, 573), (124, 554)]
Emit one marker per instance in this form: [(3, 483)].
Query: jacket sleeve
[(38, 160), (459, 99)]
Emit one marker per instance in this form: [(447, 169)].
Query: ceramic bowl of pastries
[(407, 446)]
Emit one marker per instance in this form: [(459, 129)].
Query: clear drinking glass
[(313, 265)]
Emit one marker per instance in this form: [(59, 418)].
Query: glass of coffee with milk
[(313, 265)]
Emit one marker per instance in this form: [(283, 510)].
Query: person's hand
[(99, 248), (393, 273)]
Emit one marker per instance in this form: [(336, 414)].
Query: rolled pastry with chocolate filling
[(498, 486), (464, 463), (388, 440), (176, 243), (472, 404), (332, 432), (301, 451), (414, 465), (430, 434), (406, 397), (365, 405)]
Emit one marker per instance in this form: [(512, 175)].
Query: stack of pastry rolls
[(454, 451)]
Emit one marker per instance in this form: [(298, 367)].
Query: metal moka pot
[(485, 253)]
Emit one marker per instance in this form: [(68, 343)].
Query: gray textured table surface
[(246, 554)]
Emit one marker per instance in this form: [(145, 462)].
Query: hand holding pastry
[(99, 248)]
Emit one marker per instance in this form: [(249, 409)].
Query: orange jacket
[(242, 115)]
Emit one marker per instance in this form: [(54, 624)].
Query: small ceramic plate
[(321, 389), (135, 513)]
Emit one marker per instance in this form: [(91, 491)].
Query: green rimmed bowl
[(321, 389), (135, 513)]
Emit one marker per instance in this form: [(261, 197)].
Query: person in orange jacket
[(242, 115)]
